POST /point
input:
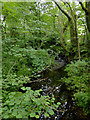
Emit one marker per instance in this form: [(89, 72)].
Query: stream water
[(54, 85)]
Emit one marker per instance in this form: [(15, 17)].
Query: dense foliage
[(78, 80), (34, 34), (30, 103)]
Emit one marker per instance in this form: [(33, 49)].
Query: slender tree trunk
[(77, 38), (87, 12), (73, 37), (4, 32), (62, 30), (60, 24)]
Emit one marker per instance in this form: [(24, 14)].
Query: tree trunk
[(88, 26), (87, 12), (88, 15), (4, 28), (74, 38), (73, 30), (62, 41)]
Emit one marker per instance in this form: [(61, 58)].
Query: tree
[(87, 12), (73, 29)]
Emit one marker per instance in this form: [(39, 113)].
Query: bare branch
[(85, 9), (69, 6), (12, 67), (60, 8), (38, 80)]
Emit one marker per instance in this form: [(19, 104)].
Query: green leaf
[(37, 116), (46, 114), (11, 103), (51, 112), (6, 116), (15, 112), (32, 114), (58, 103), (23, 88), (19, 116), (39, 112), (28, 88)]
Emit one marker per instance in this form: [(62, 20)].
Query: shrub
[(28, 104), (78, 80)]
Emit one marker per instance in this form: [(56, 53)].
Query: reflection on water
[(68, 109)]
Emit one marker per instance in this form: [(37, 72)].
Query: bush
[(78, 80), (28, 61), (28, 104)]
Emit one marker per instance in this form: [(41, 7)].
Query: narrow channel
[(54, 85)]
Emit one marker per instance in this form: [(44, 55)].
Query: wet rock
[(58, 64)]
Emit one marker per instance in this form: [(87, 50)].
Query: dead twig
[(11, 67), (47, 68), (38, 80)]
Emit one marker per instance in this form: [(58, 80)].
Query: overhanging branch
[(64, 12), (85, 9)]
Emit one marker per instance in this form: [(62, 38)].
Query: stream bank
[(54, 85)]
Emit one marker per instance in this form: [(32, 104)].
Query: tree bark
[(73, 30), (88, 26), (87, 12)]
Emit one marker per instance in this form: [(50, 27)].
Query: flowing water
[(68, 109), (54, 85)]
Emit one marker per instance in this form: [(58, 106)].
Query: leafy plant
[(78, 80), (14, 82), (28, 104), (28, 61), (32, 36)]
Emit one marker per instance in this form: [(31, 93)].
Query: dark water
[(54, 85), (68, 109)]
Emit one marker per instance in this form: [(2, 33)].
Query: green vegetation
[(34, 34), (78, 80), (30, 103)]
